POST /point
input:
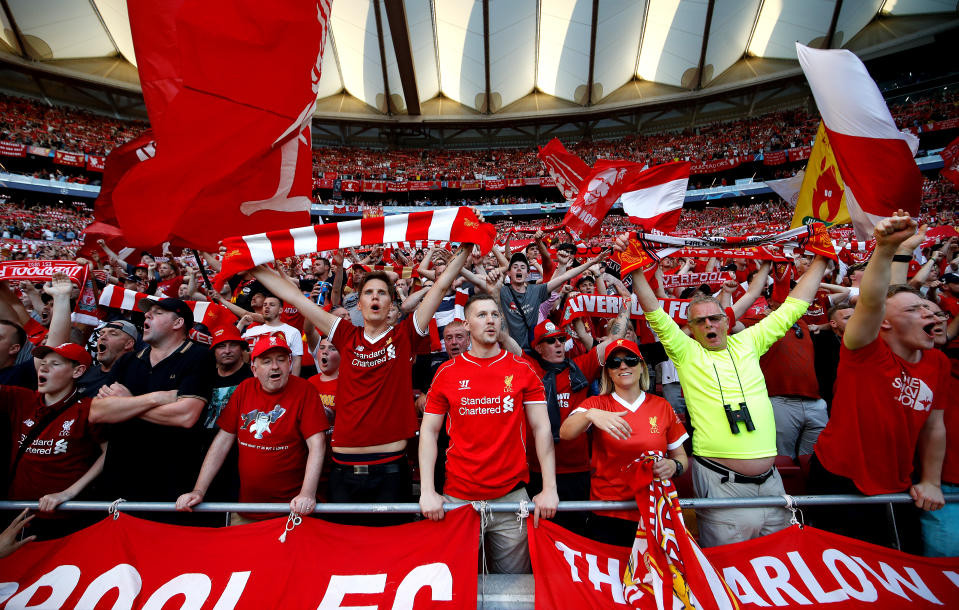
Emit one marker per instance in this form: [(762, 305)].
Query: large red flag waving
[(604, 185), (230, 103)]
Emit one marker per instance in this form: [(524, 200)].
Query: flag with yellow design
[(822, 196)]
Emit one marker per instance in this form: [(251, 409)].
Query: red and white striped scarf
[(665, 562), (454, 224), (209, 314)]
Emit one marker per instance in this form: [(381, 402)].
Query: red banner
[(322, 183), (604, 306), (718, 165), (374, 186), (330, 175), (534, 182), (71, 159), (800, 153), (494, 185), (471, 185), (96, 163), (511, 182), (950, 162), (42, 271), (547, 181), (794, 568), (596, 195), (776, 157), (397, 187), (9, 149), (697, 279), (320, 565), (350, 186)]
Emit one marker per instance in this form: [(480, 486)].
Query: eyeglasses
[(715, 319), (615, 362), (941, 314), (552, 340)]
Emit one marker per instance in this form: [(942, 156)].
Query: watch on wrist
[(902, 258), (679, 468)]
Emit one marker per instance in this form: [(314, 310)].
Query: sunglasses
[(552, 340), (616, 361), (715, 319)]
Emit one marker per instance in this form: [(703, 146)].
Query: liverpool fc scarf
[(645, 249), (665, 562), (454, 224)]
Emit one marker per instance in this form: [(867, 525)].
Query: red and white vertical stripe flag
[(875, 158), (656, 200), (453, 224)]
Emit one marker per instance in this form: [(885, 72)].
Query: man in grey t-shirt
[(520, 300)]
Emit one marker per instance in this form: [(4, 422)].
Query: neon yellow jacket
[(712, 378)]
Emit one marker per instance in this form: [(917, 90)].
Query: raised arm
[(808, 284), (569, 274), (753, 291), (863, 327), (59, 287), (290, 294), (431, 302)]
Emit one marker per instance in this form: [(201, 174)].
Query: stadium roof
[(475, 60)]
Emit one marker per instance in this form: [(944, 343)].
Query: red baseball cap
[(227, 333), (545, 330), (70, 351), (625, 344), (269, 342)]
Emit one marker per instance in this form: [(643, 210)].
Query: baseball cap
[(950, 278), (545, 330), (582, 278), (177, 306), (124, 326), (227, 333), (70, 351), (625, 344), (268, 342), (518, 257)]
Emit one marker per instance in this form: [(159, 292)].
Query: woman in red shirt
[(629, 422)]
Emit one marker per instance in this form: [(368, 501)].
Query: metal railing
[(500, 507)]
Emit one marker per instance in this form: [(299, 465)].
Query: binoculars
[(740, 415)]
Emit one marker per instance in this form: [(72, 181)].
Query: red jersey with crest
[(374, 395), (271, 431), (485, 399), (880, 404), (61, 454), (655, 427)]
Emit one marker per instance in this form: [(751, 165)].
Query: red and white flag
[(567, 170), (950, 162), (875, 158), (452, 224), (601, 189), (211, 315), (656, 200), (232, 124)]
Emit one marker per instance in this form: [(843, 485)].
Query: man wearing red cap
[(279, 424), (57, 451), (566, 381), (487, 396)]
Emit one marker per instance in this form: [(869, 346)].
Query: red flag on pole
[(233, 141), (567, 170), (657, 195), (604, 185)]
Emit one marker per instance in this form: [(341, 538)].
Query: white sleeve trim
[(333, 326), (416, 327), (678, 443)]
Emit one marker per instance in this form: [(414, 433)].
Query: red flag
[(604, 185), (657, 195), (233, 143), (875, 158), (567, 170), (950, 162)]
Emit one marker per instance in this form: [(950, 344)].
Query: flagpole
[(199, 263)]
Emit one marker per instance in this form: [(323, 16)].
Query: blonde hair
[(606, 385)]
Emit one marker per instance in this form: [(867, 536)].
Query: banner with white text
[(133, 563)]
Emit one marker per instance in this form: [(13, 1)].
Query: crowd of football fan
[(340, 378)]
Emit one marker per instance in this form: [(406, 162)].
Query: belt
[(732, 475), (388, 468)]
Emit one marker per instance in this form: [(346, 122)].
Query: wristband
[(902, 258), (679, 468)]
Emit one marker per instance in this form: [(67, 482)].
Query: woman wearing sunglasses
[(628, 422)]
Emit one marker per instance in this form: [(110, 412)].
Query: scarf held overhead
[(455, 224)]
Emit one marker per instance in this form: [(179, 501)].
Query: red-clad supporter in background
[(374, 399), (279, 424), (628, 423), (57, 452), (876, 427), (487, 395)]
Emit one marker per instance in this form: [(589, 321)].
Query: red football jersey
[(60, 455), (880, 404), (485, 399), (655, 428), (327, 390), (571, 456), (271, 432), (374, 397)]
